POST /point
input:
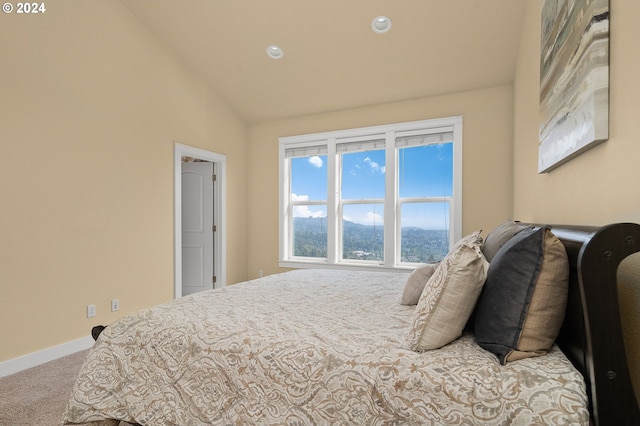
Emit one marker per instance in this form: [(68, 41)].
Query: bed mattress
[(310, 347)]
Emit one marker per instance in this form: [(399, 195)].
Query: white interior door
[(197, 227)]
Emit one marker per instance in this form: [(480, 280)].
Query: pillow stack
[(515, 284)]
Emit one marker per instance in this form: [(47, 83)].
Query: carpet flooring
[(38, 396)]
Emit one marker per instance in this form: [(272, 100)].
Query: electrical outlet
[(91, 311), (260, 273), (115, 305)]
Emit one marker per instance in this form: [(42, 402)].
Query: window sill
[(302, 264)]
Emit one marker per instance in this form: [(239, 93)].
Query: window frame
[(392, 204)]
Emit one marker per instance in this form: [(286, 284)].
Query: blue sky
[(423, 171)]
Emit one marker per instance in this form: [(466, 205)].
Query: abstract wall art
[(574, 79)]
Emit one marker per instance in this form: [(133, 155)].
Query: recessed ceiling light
[(381, 24), (275, 52)]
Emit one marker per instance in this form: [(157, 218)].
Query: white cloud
[(316, 161), (305, 211), (375, 167), (370, 218)]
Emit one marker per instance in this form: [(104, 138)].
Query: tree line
[(366, 242)]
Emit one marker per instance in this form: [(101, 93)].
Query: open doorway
[(216, 262)]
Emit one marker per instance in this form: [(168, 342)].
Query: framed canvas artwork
[(574, 79)]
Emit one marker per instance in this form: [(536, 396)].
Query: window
[(382, 197)]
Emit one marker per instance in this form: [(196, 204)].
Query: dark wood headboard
[(591, 335)]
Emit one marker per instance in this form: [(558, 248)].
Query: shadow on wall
[(629, 299)]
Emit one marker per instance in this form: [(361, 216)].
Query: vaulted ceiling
[(332, 58)]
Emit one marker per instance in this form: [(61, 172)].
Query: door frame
[(219, 212)]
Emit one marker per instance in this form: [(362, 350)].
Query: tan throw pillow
[(449, 297), (416, 282), (499, 237)]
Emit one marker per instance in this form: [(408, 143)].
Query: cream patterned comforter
[(309, 347)]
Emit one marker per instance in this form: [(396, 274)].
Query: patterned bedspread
[(309, 347)]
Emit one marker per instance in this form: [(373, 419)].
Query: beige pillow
[(416, 282), (449, 296), (499, 236)]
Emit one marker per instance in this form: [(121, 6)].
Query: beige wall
[(487, 156), (91, 104), (601, 185)]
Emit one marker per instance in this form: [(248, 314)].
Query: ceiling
[(332, 59)]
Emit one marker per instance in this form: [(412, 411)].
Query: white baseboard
[(40, 357)]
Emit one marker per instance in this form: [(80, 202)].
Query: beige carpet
[(39, 396)]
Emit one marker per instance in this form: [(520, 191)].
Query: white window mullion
[(398, 227), (456, 208), (333, 192), (285, 215), (391, 194)]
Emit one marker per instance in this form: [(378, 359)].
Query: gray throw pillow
[(521, 307)]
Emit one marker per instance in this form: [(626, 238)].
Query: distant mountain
[(366, 242), (310, 224)]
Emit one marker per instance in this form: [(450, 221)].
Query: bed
[(334, 347)]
